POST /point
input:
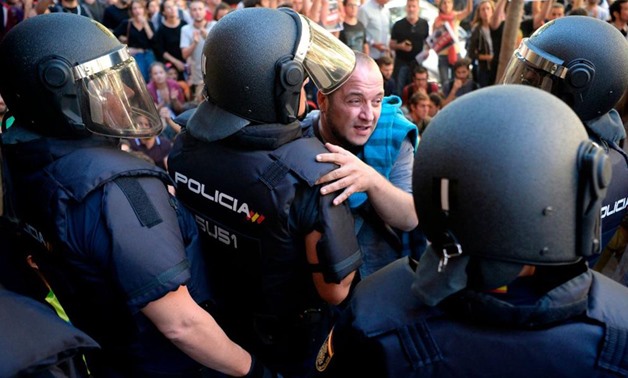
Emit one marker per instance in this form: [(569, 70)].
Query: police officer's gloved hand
[(259, 370)]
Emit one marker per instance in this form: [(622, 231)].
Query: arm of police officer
[(392, 204), (332, 293), (149, 261), (196, 333)]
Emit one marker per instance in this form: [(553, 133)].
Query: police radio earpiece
[(290, 77), (594, 176), (55, 74)]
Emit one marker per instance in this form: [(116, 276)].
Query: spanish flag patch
[(325, 353)]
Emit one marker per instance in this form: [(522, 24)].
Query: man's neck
[(69, 4), (351, 20), (412, 20), (619, 24), (200, 24), (323, 134)]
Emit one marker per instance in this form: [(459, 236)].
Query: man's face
[(197, 11), (297, 5), (412, 9), (382, 2), (420, 111), (349, 115), (556, 12), (387, 70), (623, 12), (420, 80), (433, 109), (462, 73), (351, 9)]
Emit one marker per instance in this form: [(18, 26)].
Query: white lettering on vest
[(223, 199), (619, 205)]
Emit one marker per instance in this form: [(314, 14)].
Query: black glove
[(259, 370)]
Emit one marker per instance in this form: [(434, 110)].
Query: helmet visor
[(328, 61), (533, 67), (114, 98)]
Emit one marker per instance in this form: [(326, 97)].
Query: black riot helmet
[(580, 59), (255, 61), (65, 75), (494, 191)]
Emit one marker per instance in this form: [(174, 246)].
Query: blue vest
[(616, 201), (409, 339), (50, 177), (252, 207), (25, 352)]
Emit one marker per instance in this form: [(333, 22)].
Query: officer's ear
[(321, 99)]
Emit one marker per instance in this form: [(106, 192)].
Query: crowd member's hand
[(142, 20), (352, 175), (164, 112), (457, 85), (406, 45), (174, 95)]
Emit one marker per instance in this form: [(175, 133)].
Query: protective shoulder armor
[(299, 157)]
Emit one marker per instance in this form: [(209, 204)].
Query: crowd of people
[(268, 189)]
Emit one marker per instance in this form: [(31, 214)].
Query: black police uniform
[(35, 342), (576, 330), (616, 201), (111, 240), (254, 199)]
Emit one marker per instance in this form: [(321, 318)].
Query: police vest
[(46, 193), (616, 200), (265, 297), (48, 186), (36, 342), (414, 340)]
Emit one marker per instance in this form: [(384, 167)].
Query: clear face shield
[(328, 61), (535, 68), (114, 99)]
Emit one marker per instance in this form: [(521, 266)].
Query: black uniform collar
[(265, 136), (37, 151)]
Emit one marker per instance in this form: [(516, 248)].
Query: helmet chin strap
[(594, 175)]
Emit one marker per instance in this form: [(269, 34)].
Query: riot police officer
[(121, 255), (281, 254), (584, 62), (503, 289)]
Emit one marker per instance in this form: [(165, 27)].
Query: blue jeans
[(403, 77), (144, 60)]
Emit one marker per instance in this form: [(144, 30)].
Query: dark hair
[(419, 70), (416, 97), (384, 61), (616, 7), (437, 99), (578, 12), (220, 7), (464, 62), (251, 3)]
